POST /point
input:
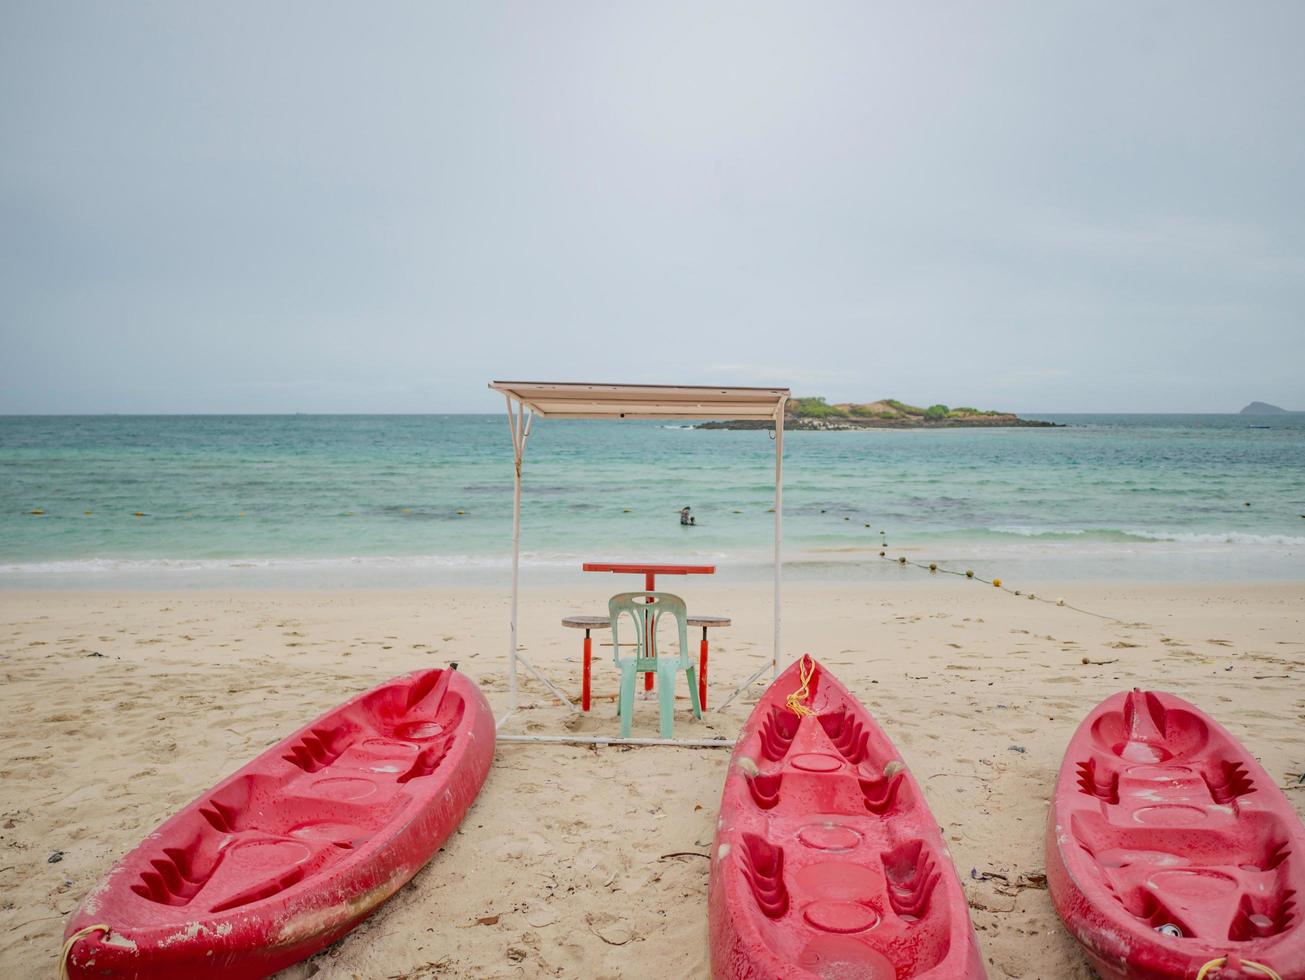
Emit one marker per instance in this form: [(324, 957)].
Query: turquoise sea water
[(361, 500)]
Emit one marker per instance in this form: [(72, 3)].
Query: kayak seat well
[(1262, 916), (777, 734), (1146, 731), (1115, 845), (427, 761), (911, 874), (765, 789), (320, 747), (847, 734), (1227, 781), (1104, 785), (883, 795), (763, 866)]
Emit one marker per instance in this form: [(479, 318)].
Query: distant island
[(887, 413), (1264, 408)]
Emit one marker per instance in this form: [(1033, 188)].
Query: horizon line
[(222, 414)]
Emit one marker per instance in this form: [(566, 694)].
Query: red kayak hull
[(827, 862), (1162, 820), (291, 852)]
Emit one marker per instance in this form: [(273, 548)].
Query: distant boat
[(1259, 427)]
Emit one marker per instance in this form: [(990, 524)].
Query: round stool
[(706, 622), (588, 623)]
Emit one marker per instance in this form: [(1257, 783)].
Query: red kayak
[(827, 862), (1170, 852), (291, 852)]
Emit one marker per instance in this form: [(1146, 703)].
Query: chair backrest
[(646, 609)]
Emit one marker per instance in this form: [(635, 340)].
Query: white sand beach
[(119, 708)]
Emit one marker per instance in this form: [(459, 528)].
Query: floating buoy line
[(936, 568)]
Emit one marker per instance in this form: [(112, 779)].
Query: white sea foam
[(1177, 537), (491, 563), (119, 565), (1221, 537), (1038, 532)]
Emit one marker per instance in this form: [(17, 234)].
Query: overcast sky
[(320, 207)]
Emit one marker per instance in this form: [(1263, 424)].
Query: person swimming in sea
[(687, 519)]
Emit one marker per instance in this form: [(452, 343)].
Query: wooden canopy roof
[(575, 400)]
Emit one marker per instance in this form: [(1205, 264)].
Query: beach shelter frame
[(575, 400)]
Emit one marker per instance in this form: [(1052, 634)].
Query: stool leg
[(702, 671), (584, 684)]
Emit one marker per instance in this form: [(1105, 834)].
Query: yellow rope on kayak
[(1219, 961), (72, 941), (806, 671)]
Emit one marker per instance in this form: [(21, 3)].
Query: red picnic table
[(649, 572)]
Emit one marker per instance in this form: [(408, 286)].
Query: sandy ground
[(118, 708)]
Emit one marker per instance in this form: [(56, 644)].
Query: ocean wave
[(117, 565), (529, 560), (1038, 532), (1124, 535), (1219, 537)]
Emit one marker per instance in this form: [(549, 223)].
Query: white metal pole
[(779, 524), (518, 449)]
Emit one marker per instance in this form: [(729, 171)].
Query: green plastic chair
[(646, 608)]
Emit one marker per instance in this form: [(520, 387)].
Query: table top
[(709, 621), (637, 568), (587, 622)]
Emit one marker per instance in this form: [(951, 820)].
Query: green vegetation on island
[(814, 412), (886, 408)]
